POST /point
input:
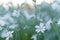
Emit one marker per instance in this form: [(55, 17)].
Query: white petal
[(37, 26), (37, 30), (7, 38)]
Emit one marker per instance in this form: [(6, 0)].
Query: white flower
[(40, 28), (2, 22), (54, 6), (11, 20), (1, 28), (13, 26), (16, 13), (58, 22), (58, 1), (34, 37), (7, 38), (6, 6), (6, 16), (7, 34), (47, 25)]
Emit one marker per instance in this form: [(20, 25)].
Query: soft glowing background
[(22, 1), (15, 2), (48, 1)]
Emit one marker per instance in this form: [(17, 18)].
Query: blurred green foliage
[(26, 28)]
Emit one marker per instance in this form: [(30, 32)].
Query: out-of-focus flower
[(40, 28), (6, 16), (47, 25), (2, 23), (16, 13), (11, 20), (1, 28), (58, 1), (6, 6), (54, 6), (7, 34), (34, 37), (13, 26), (58, 22)]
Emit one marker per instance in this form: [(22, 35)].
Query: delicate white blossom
[(58, 1), (56, 6), (58, 22), (34, 37), (16, 13), (6, 16), (7, 38), (7, 34), (40, 28), (1, 28), (11, 20), (6, 6), (2, 23), (13, 26), (47, 25)]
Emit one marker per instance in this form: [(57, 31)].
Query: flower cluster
[(8, 24), (7, 34)]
